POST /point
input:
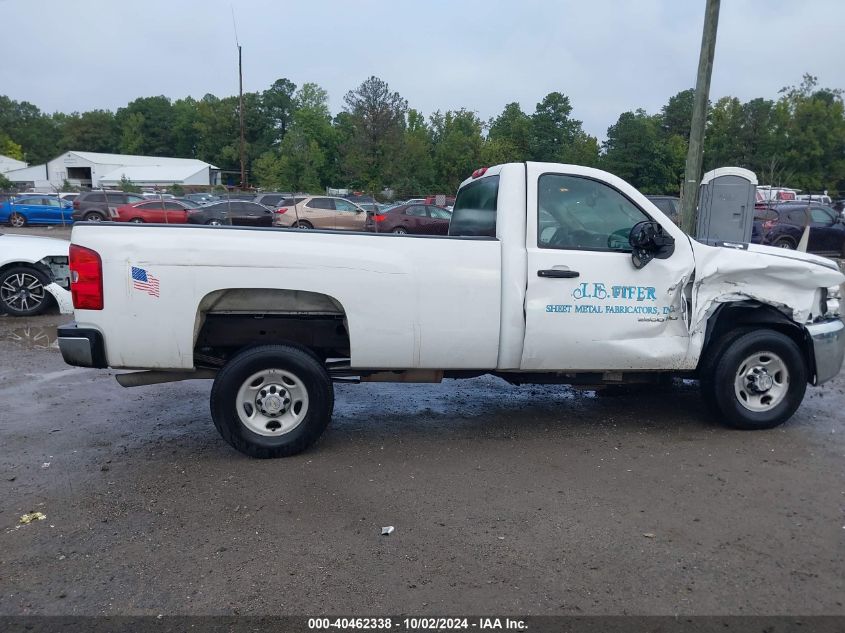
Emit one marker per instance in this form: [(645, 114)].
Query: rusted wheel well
[(228, 321)]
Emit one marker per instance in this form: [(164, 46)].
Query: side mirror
[(648, 240)]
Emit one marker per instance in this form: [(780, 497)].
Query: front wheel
[(94, 216), (757, 380), (272, 400), (22, 291), (215, 222), (136, 221), (784, 242), (17, 220), (400, 230), (301, 224)]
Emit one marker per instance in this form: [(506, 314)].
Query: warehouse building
[(95, 170), (7, 164)]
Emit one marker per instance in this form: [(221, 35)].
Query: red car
[(155, 211), (416, 219)]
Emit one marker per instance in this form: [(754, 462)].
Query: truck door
[(587, 307)]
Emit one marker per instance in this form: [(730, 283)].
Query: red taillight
[(86, 278), (282, 210), (478, 173), (379, 217)]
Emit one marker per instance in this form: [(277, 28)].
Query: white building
[(92, 169), (7, 163)]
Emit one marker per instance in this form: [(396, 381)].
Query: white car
[(549, 274), (32, 270)]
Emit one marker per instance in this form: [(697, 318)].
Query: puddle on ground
[(36, 337)]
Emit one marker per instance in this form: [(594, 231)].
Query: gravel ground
[(529, 500)]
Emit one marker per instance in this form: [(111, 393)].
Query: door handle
[(557, 273)]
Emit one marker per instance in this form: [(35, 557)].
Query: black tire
[(719, 378), (293, 359), (400, 230), (302, 224), (137, 221), (785, 242), (17, 278), (17, 220), (94, 216), (214, 222)]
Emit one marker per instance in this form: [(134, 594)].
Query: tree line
[(293, 142)]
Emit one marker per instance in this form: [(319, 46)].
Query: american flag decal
[(142, 280)]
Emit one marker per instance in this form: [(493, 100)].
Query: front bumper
[(82, 347), (828, 347)]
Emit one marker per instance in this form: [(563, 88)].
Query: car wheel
[(214, 222), (94, 216), (400, 230), (22, 291), (137, 221), (756, 380), (301, 224), (17, 220), (272, 400), (784, 242)]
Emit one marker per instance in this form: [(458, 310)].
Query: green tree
[(278, 106), (510, 136), (635, 151), (457, 140), (150, 121), (377, 117), (5, 183), (177, 190), (555, 133), (128, 186), (677, 115), (132, 134), (93, 131)]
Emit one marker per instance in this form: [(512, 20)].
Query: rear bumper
[(82, 347), (828, 345)]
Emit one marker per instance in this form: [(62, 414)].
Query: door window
[(821, 216), (416, 211), (130, 199), (320, 203), (581, 214), (439, 214), (344, 205)]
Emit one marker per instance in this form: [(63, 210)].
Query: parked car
[(819, 198), (670, 205), (322, 212), (157, 211), (153, 195), (271, 199), (36, 209), (202, 198), (614, 292), (191, 204), (98, 206), (32, 270), (70, 196), (416, 219), (782, 225), (234, 212)]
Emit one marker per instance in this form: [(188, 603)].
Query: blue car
[(35, 209)]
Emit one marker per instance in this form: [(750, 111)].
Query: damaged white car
[(550, 273), (34, 274)]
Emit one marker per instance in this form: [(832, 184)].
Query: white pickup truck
[(550, 273)]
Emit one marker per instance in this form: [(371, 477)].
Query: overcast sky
[(607, 55)]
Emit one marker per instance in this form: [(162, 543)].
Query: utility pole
[(241, 109), (695, 153)]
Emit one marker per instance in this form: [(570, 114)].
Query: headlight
[(830, 301)]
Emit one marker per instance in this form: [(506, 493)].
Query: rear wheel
[(755, 380), (136, 221), (302, 224), (400, 230), (22, 291), (94, 216), (784, 242), (215, 222), (272, 401), (17, 220)]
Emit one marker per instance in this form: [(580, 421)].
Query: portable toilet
[(726, 205)]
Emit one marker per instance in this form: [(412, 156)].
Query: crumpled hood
[(786, 280), (30, 248), (795, 255)]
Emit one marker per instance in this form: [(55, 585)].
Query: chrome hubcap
[(761, 382), (272, 402), (16, 220), (22, 291)]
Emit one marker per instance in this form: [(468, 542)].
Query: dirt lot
[(532, 500)]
